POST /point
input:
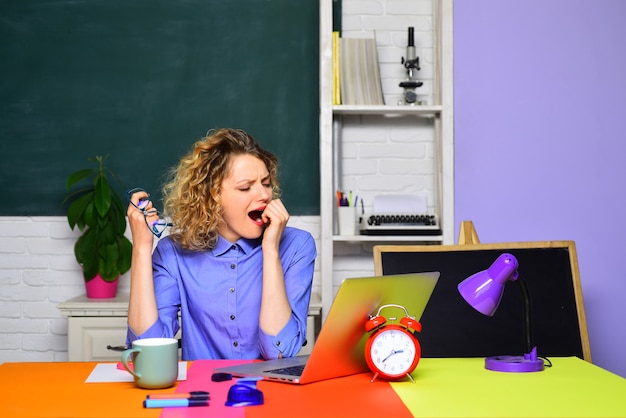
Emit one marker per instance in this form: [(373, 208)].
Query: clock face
[(392, 352)]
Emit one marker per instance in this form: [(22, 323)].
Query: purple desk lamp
[(483, 291)]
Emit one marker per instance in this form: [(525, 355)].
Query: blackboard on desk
[(141, 80), (451, 328)]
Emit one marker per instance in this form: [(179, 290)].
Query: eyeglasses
[(155, 221)]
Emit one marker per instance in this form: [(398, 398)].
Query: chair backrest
[(451, 328)]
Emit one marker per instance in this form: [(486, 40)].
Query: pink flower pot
[(98, 288)]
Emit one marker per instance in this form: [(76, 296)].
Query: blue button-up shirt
[(218, 295)]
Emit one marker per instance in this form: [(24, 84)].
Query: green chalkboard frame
[(142, 80)]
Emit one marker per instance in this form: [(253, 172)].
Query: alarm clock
[(392, 351)]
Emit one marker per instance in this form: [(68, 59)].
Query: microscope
[(412, 65)]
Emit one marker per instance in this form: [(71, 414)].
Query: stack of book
[(356, 74)]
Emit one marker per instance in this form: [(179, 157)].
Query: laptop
[(339, 349)]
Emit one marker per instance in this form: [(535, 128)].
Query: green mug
[(155, 362)]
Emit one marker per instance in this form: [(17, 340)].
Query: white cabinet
[(426, 129), (90, 337), (93, 325), (97, 327)]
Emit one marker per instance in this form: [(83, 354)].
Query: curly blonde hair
[(192, 195)]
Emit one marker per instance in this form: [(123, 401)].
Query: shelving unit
[(437, 116)]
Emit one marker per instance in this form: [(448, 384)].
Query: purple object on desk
[(245, 393), (483, 291)]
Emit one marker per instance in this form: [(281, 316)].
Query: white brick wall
[(37, 271)]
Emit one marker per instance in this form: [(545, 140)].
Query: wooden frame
[(556, 309)]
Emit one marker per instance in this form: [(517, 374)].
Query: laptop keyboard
[(291, 370)]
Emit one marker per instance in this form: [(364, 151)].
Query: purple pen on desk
[(172, 403), (196, 394)]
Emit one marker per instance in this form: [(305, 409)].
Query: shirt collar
[(246, 245)]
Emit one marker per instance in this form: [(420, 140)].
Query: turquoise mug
[(154, 362)]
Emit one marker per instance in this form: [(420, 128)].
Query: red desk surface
[(351, 396), (443, 387)]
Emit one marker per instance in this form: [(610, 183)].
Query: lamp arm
[(528, 332)]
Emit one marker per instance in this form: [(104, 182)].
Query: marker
[(172, 403), (198, 394), (221, 377)]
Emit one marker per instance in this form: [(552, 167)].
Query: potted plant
[(100, 214)]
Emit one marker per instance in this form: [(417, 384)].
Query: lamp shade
[(484, 290)]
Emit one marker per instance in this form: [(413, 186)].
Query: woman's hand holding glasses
[(141, 209)]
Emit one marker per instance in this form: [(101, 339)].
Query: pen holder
[(346, 218)]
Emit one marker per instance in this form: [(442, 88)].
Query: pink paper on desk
[(199, 378)]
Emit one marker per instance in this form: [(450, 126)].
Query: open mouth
[(255, 215)]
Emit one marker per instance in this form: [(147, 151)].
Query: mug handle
[(125, 355)]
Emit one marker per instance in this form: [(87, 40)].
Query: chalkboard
[(141, 80), (451, 328)]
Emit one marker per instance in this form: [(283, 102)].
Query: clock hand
[(392, 353)]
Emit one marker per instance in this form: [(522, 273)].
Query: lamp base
[(515, 364)]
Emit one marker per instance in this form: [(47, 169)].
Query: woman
[(239, 277)]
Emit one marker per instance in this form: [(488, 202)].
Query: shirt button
[(232, 266), (231, 290), (278, 344), (232, 317), (236, 344)]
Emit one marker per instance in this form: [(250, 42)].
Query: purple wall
[(540, 102)]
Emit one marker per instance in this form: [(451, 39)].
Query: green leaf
[(103, 196), (74, 194), (107, 233), (77, 177), (90, 217), (118, 214), (126, 251), (75, 212), (90, 269), (86, 255), (108, 262)]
